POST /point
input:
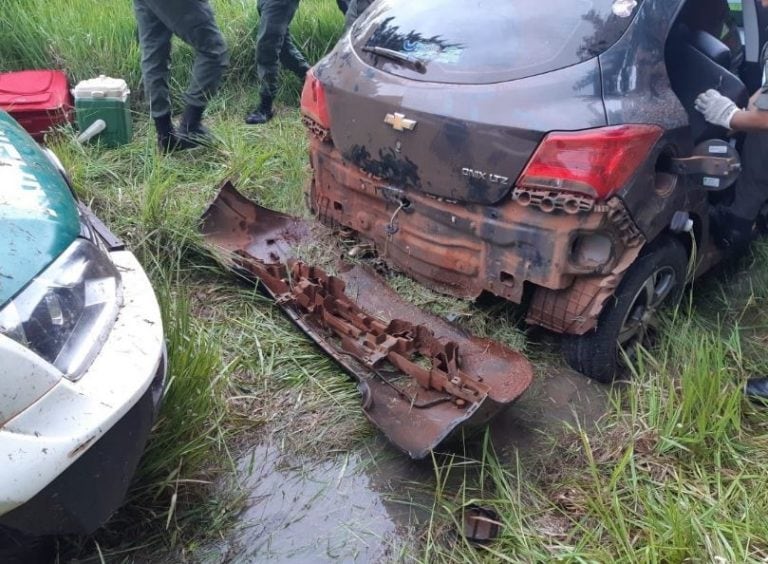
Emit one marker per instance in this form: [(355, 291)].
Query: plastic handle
[(92, 131)]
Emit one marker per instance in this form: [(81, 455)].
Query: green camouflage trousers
[(355, 8), (275, 44), (192, 21)]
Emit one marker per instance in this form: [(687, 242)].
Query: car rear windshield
[(484, 41)]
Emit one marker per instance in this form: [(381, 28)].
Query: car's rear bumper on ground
[(68, 459), (465, 249)]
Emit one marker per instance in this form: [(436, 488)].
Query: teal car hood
[(38, 213)]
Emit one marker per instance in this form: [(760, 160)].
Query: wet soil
[(369, 505), (301, 510)]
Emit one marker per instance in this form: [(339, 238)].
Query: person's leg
[(194, 22), (752, 188), (275, 17), (155, 43), (735, 221), (293, 59), (290, 55), (351, 14), (355, 8)]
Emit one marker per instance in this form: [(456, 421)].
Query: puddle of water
[(342, 509), (363, 506)]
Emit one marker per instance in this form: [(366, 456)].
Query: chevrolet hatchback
[(547, 153)]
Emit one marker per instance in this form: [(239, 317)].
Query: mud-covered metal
[(421, 378), (491, 128), (464, 250), (432, 198), (576, 310)]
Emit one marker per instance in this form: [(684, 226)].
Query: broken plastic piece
[(481, 524)]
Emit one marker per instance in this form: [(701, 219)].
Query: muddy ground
[(372, 503)]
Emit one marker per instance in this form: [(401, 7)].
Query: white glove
[(717, 109)]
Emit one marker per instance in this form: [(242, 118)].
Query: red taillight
[(596, 161), (313, 104)]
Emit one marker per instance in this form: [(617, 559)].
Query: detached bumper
[(69, 458), (422, 380)]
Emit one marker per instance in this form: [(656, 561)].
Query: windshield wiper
[(417, 64)]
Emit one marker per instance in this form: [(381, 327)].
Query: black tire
[(18, 548), (658, 278)]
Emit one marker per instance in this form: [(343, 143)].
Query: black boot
[(165, 136), (191, 126), (167, 139), (757, 390), (262, 114)]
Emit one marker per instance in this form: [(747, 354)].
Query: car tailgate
[(461, 142)]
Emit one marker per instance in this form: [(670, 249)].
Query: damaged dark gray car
[(548, 153)]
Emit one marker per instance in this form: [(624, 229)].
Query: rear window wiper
[(417, 64)]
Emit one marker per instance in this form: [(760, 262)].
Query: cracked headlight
[(66, 313)]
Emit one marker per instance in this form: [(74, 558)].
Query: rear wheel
[(629, 318)]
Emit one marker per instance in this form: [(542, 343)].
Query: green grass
[(675, 472), (236, 363), (92, 37)]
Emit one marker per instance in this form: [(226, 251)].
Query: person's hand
[(717, 109)]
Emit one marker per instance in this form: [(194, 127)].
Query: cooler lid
[(102, 87), (26, 87)]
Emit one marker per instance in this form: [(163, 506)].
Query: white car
[(82, 353)]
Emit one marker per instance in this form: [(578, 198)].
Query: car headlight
[(66, 313)]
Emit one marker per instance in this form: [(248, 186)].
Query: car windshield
[(472, 41)]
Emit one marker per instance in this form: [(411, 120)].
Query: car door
[(755, 20)]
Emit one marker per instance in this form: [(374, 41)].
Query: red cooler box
[(38, 100)]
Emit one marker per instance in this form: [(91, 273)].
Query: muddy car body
[(545, 152), (82, 354)]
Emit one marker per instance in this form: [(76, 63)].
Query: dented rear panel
[(535, 237)]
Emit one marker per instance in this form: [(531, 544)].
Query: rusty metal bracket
[(368, 339), (421, 378), (323, 134)]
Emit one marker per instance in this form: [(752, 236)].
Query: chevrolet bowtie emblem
[(399, 122)]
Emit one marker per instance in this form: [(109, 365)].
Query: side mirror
[(714, 165)]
